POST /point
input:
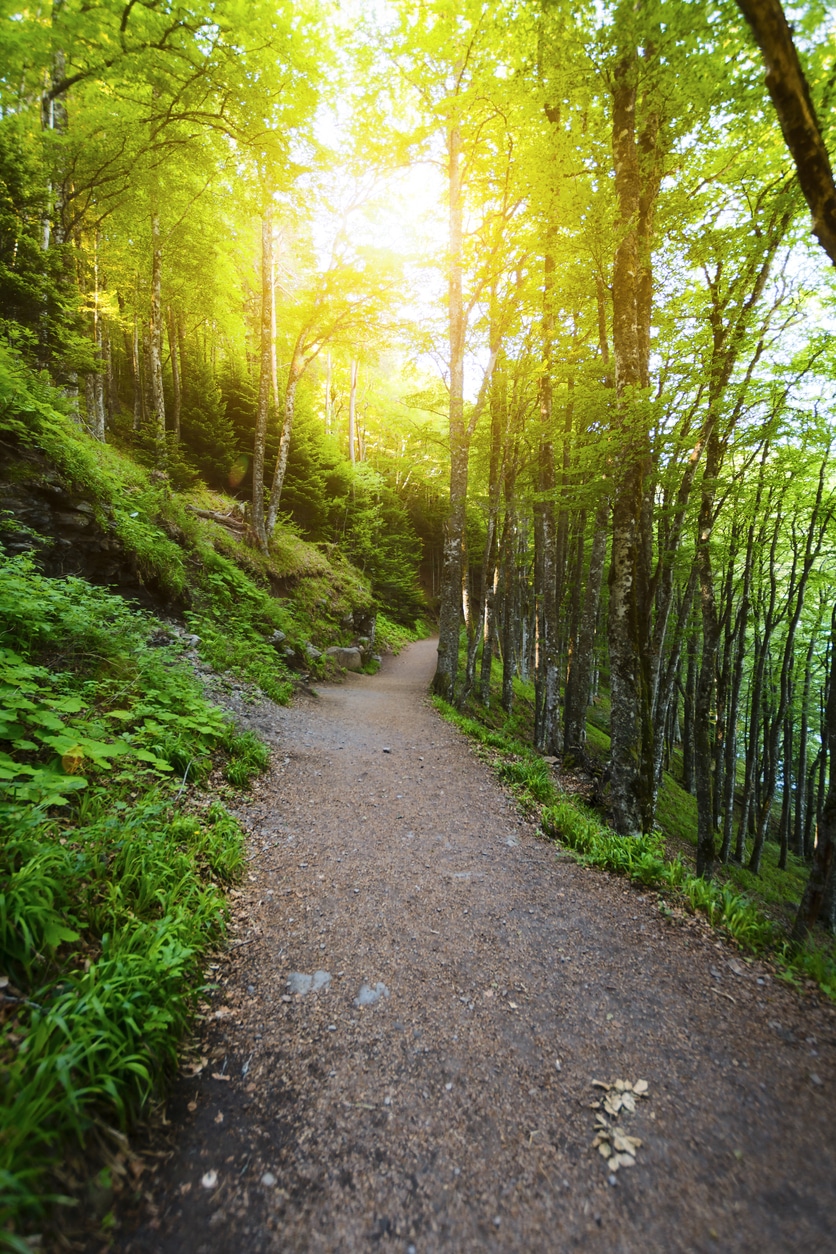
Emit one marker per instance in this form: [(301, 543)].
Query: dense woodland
[(603, 317), (519, 310)]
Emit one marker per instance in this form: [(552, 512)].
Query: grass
[(112, 873), (391, 637), (754, 911)]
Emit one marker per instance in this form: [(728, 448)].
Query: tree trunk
[(265, 379), (814, 892), (352, 411), (136, 368), (294, 374), (579, 685), (176, 398), (546, 725), (801, 770), (689, 772), (328, 396), (630, 642), (156, 337), (444, 682), (790, 94)]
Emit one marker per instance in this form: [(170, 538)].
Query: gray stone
[(369, 995), (312, 652), (349, 659), (299, 982)]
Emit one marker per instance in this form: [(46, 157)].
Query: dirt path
[(438, 1118)]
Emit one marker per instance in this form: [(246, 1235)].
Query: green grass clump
[(248, 757), (391, 637), (110, 895), (102, 930), (642, 858)]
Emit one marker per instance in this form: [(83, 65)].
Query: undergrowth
[(640, 858), (111, 871), (392, 637)]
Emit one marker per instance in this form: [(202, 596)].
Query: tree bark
[(814, 893), (265, 380), (352, 411), (294, 374), (546, 724), (790, 93), (176, 396), (156, 337), (444, 681), (631, 747), (579, 685)]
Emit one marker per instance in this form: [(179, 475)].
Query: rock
[(369, 996), (299, 982), (311, 652), (350, 659), (278, 637)]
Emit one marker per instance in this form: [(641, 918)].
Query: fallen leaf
[(613, 1163), (216, 1075), (640, 1087), (621, 1085), (626, 1160), (599, 1084), (628, 1101), (604, 1150)]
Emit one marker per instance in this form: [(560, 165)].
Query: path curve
[(453, 1115)]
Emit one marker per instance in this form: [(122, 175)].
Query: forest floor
[(454, 1112)]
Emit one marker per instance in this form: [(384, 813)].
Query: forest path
[(437, 1119)]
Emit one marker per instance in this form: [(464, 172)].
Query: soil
[(454, 1112)]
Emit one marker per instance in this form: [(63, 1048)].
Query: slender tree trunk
[(274, 360), (294, 374), (328, 396), (176, 398), (156, 336), (352, 411), (786, 798), (689, 773), (814, 893), (801, 769), (579, 686), (265, 379), (546, 724), (444, 682), (630, 608), (136, 369), (706, 681)]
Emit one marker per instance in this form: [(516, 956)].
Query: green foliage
[(392, 637), (102, 928), (235, 619), (109, 896), (105, 703), (248, 757), (642, 858), (207, 432)]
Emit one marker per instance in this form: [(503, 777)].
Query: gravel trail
[(429, 1088)]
